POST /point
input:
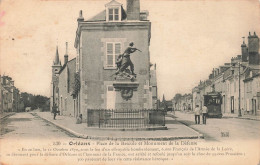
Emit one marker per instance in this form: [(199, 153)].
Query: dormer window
[(113, 11), (113, 14)]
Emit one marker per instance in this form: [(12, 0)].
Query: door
[(254, 106), (224, 103), (74, 107), (232, 104), (111, 97)]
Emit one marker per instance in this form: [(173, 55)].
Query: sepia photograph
[(130, 82)]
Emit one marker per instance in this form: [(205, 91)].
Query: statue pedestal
[(126, 94)]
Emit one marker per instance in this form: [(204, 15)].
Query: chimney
[(80, 18), (133, 10), (253, 49), (66, 57), (244, 51)]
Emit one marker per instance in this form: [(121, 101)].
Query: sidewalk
[(225, 115), (248, 117), (176, 130), (6, 114)]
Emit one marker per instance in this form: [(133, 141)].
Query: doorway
[(232, 104)]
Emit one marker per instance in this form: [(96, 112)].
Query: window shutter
[(117, 48), (113, 50), (110, 48), (110, 60)]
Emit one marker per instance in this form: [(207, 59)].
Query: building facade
[(99, 41), (237, 81), (9, 96)]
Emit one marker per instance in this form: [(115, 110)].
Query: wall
[(67, 73), (93, 57)]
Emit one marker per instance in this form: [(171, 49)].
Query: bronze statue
[(123, 60)]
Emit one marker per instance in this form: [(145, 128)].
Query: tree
[(35, 101)]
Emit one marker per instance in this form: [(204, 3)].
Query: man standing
[(126, 61), (54, 111), (197, 114), (204, 114)]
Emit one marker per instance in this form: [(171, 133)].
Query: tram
[(213, 102)]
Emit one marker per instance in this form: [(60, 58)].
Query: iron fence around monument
[(106, 118)]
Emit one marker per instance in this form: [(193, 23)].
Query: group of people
[(197, 113)]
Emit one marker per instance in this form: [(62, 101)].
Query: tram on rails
[(213, 101)]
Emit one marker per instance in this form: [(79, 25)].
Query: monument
[(125, 81)]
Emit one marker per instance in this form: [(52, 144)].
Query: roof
[(99, 17), (113, 3), (227, 73), (8, 89), (64, 66), (102, 16), (57, 60), (253, 67)]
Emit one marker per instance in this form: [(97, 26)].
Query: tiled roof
[(102, 16), (99, 17), (227, 73), (66, 64)]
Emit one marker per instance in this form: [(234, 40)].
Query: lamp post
[(239, 108), (239, 89)]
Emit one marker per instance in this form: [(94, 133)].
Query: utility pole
[(239, 108)]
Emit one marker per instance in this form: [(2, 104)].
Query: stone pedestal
[(126, 94)]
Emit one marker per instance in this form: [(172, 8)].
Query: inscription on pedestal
[(126, 94)]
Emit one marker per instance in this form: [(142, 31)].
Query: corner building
[(99, 41)]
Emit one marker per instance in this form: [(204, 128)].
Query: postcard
[(130, 82)]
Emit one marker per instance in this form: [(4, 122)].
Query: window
[(112, 52), (113, 14), (235, 86)]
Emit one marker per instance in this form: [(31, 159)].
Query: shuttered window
[(112, 53)]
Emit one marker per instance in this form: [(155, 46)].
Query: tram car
[(213, 102)]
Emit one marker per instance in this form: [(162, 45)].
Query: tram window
[(217, 101)]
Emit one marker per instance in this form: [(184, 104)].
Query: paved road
[(25, 125), (224, 129)]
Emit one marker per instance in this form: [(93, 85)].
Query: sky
[(189, 38)]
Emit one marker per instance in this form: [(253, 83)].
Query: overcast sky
[(189, 38)]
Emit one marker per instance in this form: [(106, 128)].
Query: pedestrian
[(197, 114), (79, 119), (54, 111), (204, 114), (248, 110)]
